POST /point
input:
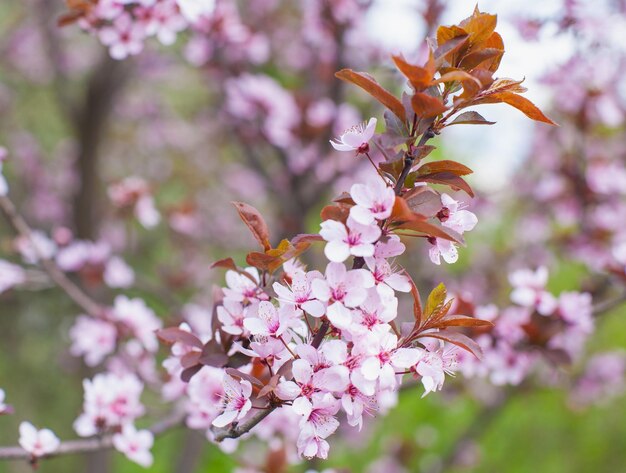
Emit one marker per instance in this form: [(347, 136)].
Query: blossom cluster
[(538, 327), (314, 344), (124, 25)]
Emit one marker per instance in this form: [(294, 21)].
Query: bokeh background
[(76, 121)]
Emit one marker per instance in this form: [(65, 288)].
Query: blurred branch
[(46, 16), (607, 305), (70, 447), (60, 279), (105, 84)]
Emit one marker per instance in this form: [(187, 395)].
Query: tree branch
[(237, 430), (71, 447), (607, 305), (60, 279)]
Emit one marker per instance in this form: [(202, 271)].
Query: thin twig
[(60, 279), (70, 447)]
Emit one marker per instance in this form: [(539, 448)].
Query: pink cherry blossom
[(38, 442), (433, 364), (135, 444), (124, 37), (236, 402), (529, 290), (110, 400), (244, 287), (118, 274), (307, 381), (193, 10), (92, 338), (4, 408), (4, 186), (356, 138), (442, 248), (139, 318), (231, 315), (343, 289), (10, 275), (268, 321), (452, 215), (374, 314), (374, 201), (318, 423), (300, 293), (351, 239), (386, 278)]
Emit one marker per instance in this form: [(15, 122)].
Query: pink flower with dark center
[(318, 422), (356, 138), (236, 401), (342, 289), (354, 239), (374, 201), (300, 293), (38, 442), (268, 321), (135, 444)]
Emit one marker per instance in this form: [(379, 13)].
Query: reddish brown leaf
[(417, 303), (189, 373), (175, 335), (452, 41), (458, 76), (458, 339), (393, 168), (476, 58), (444, 165), (419, 77), (426, 106), (470, 118), (190, 359), (372, 87), (525, 106), (430, 229), (255, 222), (241, 375), (462, 321), (306, 238), (447, 179), (226, 263), (335, 212), (480, 26), (401, 211)]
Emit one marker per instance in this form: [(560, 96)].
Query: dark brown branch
[(104, 85), (237, 430), (409, 160)]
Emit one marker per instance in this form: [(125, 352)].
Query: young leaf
[(430, 229), (417, 303), (426, 106), (470, 118), (372, 87), (444, 165), (447, 179), (175, 335), (226, 263), (461, 321), (525, 106), (255, 222), (458, 339), (419, 77), (435, 301)]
